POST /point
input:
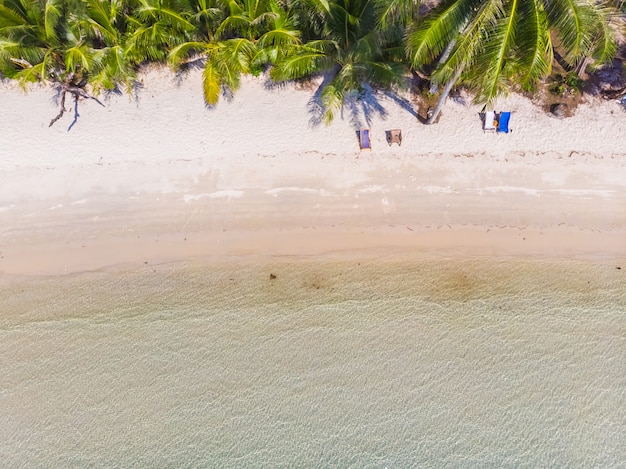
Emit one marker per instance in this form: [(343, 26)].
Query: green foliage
[(493, 45), (354, 45), (562, 85), (75, 43), (490, 45)]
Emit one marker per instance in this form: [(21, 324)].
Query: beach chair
[(394, 136), (364, 139), (489, 122), (503, 122)]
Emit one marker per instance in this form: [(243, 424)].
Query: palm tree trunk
[(444, 95), (581, 68), (434, 86)]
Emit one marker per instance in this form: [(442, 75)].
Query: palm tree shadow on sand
[(402, 102), (360, 107), (363, 107), (315, 106)]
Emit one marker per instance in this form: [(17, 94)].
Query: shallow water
[(380, 363)]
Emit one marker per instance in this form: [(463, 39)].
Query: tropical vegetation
[(487, 46)]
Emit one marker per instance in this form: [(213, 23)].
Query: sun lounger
[(395, 136), (503, 122), (364, 139), (489, 123)]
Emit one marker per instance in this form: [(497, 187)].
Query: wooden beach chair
[(394, 136), (503, 122), (364, 139), (489, 121)]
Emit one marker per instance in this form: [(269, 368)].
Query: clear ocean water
[(390, 362)]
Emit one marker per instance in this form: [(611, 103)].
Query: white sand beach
[(158, 177)]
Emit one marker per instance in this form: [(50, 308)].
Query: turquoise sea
[(391, 362)]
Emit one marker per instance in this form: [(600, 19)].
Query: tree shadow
[(315, 106), (76, 114), (402, 102), (456, 95), (194, 64), (271, 85), (114, 92), (136, 88), (183, 70), (56, 97), (133, 91), (363, 104), (359, 107)]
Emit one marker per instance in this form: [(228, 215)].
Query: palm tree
[(45, 41), (107, 24), (206, 16), (492, 45), (351, 40), (30, 47), (397, 13), (156, 26), (251, 35)]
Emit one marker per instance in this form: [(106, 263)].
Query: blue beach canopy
[(503, 122)]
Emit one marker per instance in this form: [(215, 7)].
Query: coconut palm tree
[(492, 45), (46, 41), (353, 42), (156, 26), (31, 47), (252, 34), (107, 24), (397, 13), (206, 16)]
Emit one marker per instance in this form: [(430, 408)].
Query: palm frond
[(385, 74), (279, 37), (497, 47), (31, 74), (78, 58), (429, 38), (147, 11), (100, 19), (332, 99), (211, 84), (603, 44), (232, 24), (10, 18), (350, 77), (112, 69), (534, 44), (263, 19), (569, 19), (469, 41), (366, 48), (238, 53), (178, 54), (52, 14), (15, 56), (320, 6), (304, 62), (396, 12)]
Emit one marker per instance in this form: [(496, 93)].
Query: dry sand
[(159, 177)]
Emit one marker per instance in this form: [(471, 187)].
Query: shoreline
[(160, 178), (55, 250)]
